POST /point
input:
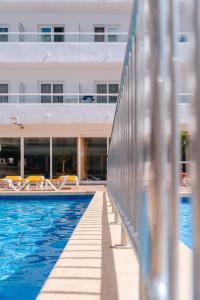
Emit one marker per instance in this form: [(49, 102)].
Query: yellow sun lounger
[(36, 180), (58, 183), (14, 182)]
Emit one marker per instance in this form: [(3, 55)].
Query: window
[(107, 88), (37, 156), (94, 159), (106, 34), (53, 90), (9, 156), (99, 37), (64, 156), (52, 33), (112, 37), (3, 30), (3, 90)]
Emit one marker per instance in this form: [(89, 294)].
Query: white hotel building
[(60, 68)]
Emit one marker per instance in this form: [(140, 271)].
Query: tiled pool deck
[(90, 268)]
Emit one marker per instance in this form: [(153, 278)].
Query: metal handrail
[(46, 98), (64, 37)]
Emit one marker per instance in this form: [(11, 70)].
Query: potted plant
[(185, 141)]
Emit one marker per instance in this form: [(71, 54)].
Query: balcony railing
[(74, 37), (184, 98), (58, 98), (64, 37)]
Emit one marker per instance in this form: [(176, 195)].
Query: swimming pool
[(185, 221), (33, 233)]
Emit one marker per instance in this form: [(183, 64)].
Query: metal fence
[(143, 160)]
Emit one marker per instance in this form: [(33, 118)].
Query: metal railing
[(143, 160), (183, 98), (64, 37), (58, 98)]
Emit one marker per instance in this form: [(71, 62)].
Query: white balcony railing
[(64, 37), (74, 37), (71, 98), (58, 98)]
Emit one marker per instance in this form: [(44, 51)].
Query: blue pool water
[(185, 221), (33, 232)]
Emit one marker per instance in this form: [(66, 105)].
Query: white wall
[(65, 53), (72, 21), (71, 76), (57, 113)]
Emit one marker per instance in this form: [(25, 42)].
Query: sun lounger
[(14, 182), (72, 179), (36, 180), (57, 183)]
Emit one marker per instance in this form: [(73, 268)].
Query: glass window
[(112, 37), (3, 90), (52, 88), (107, 88), (64, 156), (46, 89), (101, 89), (57, 89), (99, 37), (37, 156), (46, 34), (9, 156), (58, 37), (52, 33), (110, 34), (113, 88), (3, 35), (94, 159)]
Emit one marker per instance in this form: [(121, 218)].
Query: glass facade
[(37, 156), (94, 159), (9, 156), (40, 156), (64, 156)]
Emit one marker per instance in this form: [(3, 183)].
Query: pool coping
[(39, 193), (89, 267)]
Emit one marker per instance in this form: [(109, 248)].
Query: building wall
[(71, 76)]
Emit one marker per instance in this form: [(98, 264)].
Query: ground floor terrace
[(85, 156)]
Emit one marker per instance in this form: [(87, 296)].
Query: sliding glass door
[(37, 156)]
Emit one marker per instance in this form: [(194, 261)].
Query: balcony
[(57, 108), (71, 47)]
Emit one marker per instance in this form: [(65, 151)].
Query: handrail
[(23, 98), (64, 37)]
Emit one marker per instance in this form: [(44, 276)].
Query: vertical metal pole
[(79, 157), (22, 157), (196, 155), (157, 202), (51, 157), (174, 150)]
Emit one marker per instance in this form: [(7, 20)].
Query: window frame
[(106, 36), (8, 84), (51, 82), (8, 27), (107, 83), (52, 33)]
